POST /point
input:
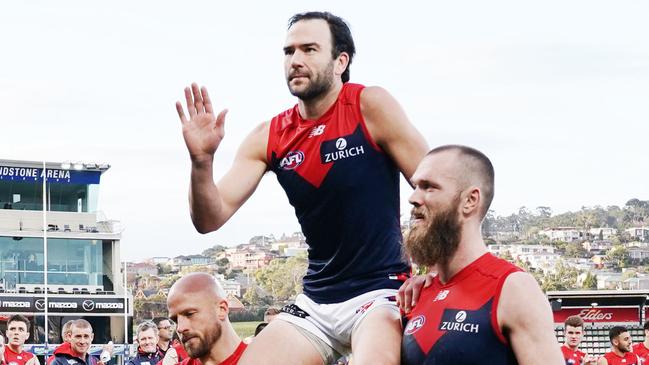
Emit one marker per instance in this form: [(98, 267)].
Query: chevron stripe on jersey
[(456, 323), (345, 191)]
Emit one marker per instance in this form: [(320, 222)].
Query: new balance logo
[(441, 295), (316, 131)]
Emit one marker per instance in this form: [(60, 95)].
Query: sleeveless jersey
[(572, 357), (642, 351), (345, 191), (456, 323), (12, 358), (629, 358)]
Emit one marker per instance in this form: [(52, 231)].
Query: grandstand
[(600, 310)]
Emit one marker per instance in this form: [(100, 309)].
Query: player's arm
[(602, 361), (525, 317), (391, 130), (211, 205)]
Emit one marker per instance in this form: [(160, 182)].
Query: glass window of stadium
[(72, 263), (61, 197)]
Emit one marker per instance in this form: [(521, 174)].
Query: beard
[(205, 343), (318, 85), (436, 242)]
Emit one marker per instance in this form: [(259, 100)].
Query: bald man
[(198, 304), (479, 309)]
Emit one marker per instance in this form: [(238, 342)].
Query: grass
[(245, 329)]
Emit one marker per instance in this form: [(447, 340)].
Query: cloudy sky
[(555, 92)]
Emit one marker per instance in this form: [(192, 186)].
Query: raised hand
[(204, 130)]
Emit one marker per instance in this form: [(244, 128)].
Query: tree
[(251, 297), (575, 249), (283, 277), (617, 256), (590, 281), (563, 277)]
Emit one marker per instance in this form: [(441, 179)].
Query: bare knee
[(368, 348)]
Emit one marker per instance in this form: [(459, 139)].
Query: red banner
[(599, 314)]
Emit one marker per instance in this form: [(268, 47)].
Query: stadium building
[(49, 219)]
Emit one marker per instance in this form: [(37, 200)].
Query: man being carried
[(479, 309), (337, 153), (198, 305)]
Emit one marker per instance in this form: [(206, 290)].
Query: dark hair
[(19, 318), (616, 331), (157, 320), (260, 327), (646, 325), (574, 321), (341, 35), (483, 165)]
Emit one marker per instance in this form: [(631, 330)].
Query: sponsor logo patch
[(441, 295), (316, 131), (340, 149), (457, 321), (415, 325), (292, 160)]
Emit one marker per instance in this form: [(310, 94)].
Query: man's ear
[(342, 61), (224, 309), (471, 201)]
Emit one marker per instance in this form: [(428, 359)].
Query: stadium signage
[(32, 174), (61, 305), (599, 314)]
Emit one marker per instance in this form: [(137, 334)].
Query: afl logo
[(341, 143), (414, 325), (292, 160), (460, 316)]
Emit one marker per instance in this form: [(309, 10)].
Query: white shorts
[(335, 323)]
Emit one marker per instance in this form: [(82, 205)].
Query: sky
[(554, 92)]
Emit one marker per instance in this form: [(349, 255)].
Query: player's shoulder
[(373, 96)]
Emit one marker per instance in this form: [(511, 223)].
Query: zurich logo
[(460, 316), (341, 143), (414, 325), (88, 305), (292, 160), (39, 304)]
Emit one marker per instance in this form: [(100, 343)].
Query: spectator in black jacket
[(147, 351), (81, 337)]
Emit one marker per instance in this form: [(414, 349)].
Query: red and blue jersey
[(345, 191), (456, 323)]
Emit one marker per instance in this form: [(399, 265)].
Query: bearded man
[(479, 309)]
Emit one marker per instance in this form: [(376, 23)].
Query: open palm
[(204, 130)]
